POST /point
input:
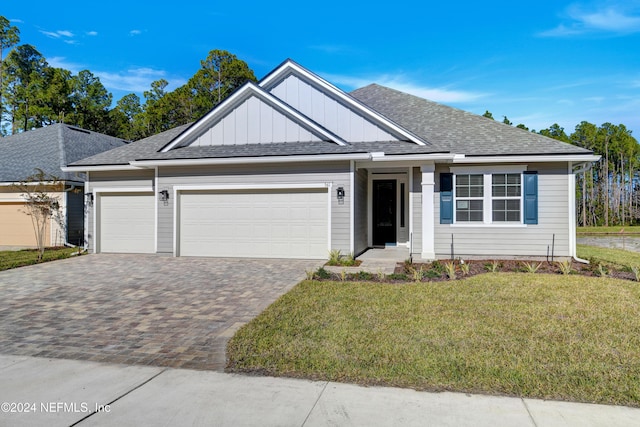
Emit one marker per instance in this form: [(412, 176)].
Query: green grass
[(613, 257), (14, 259), (613, 229), (534, 335)]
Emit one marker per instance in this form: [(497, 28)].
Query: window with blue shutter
[(446, 198), (530, 197)]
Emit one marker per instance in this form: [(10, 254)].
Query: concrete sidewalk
[(56, 392)]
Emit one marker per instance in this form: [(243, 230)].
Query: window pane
[(498, 216), (462, 216), (475, 216), (513, 191), (513, 205), (476, 179), (513, 216), (462, 179), (462, 191), (498, 179), (499, 205), (498, 191), (476, 192), (475, 205), (462, 204)]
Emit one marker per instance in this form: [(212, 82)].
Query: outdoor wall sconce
[(340, 193), (164, 195), (89, 198)]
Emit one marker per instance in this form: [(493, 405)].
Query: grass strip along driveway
[(14, 259), (532, 335)]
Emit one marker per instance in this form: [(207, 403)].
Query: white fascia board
[(249, 160), (240, 95), (250, 186), (98, 168), (372, 114), (529, 159)]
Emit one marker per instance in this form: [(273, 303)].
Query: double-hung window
[(483, 196)]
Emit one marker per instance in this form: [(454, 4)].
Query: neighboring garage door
[(16, 228), (126, 222), (288, 223)]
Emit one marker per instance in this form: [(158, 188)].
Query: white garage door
[(289, 223), (126, 223)]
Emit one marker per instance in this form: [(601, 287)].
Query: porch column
[(428, 211)]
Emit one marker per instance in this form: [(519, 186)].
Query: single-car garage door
[(283, 223), (16, 228), (126, 223)]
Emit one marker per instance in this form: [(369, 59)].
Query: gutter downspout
[(582, 168)]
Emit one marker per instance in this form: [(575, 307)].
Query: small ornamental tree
[(40, 204)]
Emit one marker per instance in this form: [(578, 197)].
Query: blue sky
[(537, 62)]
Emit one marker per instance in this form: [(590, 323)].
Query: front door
[(384, 212)]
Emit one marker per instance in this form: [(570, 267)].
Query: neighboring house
[(292, 167), (48, 149)]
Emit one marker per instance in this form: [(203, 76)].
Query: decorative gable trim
[(290, 67), (227, 106)]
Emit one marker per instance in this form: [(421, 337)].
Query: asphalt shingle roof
[(140, 149), (446, 129), (49, 148), (456, 130)]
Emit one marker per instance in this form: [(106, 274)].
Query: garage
[(126, 222), (268, 223), (16, 228)]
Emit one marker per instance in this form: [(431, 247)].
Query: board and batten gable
[(328, 111), (335, 173), (254, 121), (519, 240), (114, 181)]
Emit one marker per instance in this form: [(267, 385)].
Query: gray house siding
[(361, 226), (320, 107), (115, 180), (504, 241), (416, 199), (336, 173)]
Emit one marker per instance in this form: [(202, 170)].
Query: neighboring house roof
[(456, 130), (426, 127), (50, 148), (140, 149)]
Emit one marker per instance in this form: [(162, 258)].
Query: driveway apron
[(138, 309)]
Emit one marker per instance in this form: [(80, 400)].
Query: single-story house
[(48, 149), (292, 167)]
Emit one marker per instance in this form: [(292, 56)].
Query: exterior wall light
[(88, 197), (164, 195), (340, 193)]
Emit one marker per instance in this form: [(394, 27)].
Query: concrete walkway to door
[(138, 309)]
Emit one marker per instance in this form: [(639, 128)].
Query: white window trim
[(487, 205)]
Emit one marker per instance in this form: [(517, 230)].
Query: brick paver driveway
[(138, 309)]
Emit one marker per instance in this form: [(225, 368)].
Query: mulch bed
[(436, 271)]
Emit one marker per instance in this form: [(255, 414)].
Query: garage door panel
[(127, 223), (261, 224)]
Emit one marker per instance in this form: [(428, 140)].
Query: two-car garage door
[(273, 223)]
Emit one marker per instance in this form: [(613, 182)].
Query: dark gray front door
[(384, 212)]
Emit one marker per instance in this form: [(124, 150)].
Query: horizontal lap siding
[(532, 240), (416, 197), (361, 226), (298, 173), (115, 180)]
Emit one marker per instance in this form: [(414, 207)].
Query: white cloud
[(135, 32), (58, 34), (616, 19), (136, 79), (401, 83), (92, 33), (61, 62)]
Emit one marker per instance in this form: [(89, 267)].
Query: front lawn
[(618, 258), (13, 259), (535, 335), (626, 229)]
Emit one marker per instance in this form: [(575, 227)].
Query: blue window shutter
[(530, 197), (446, 198)]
